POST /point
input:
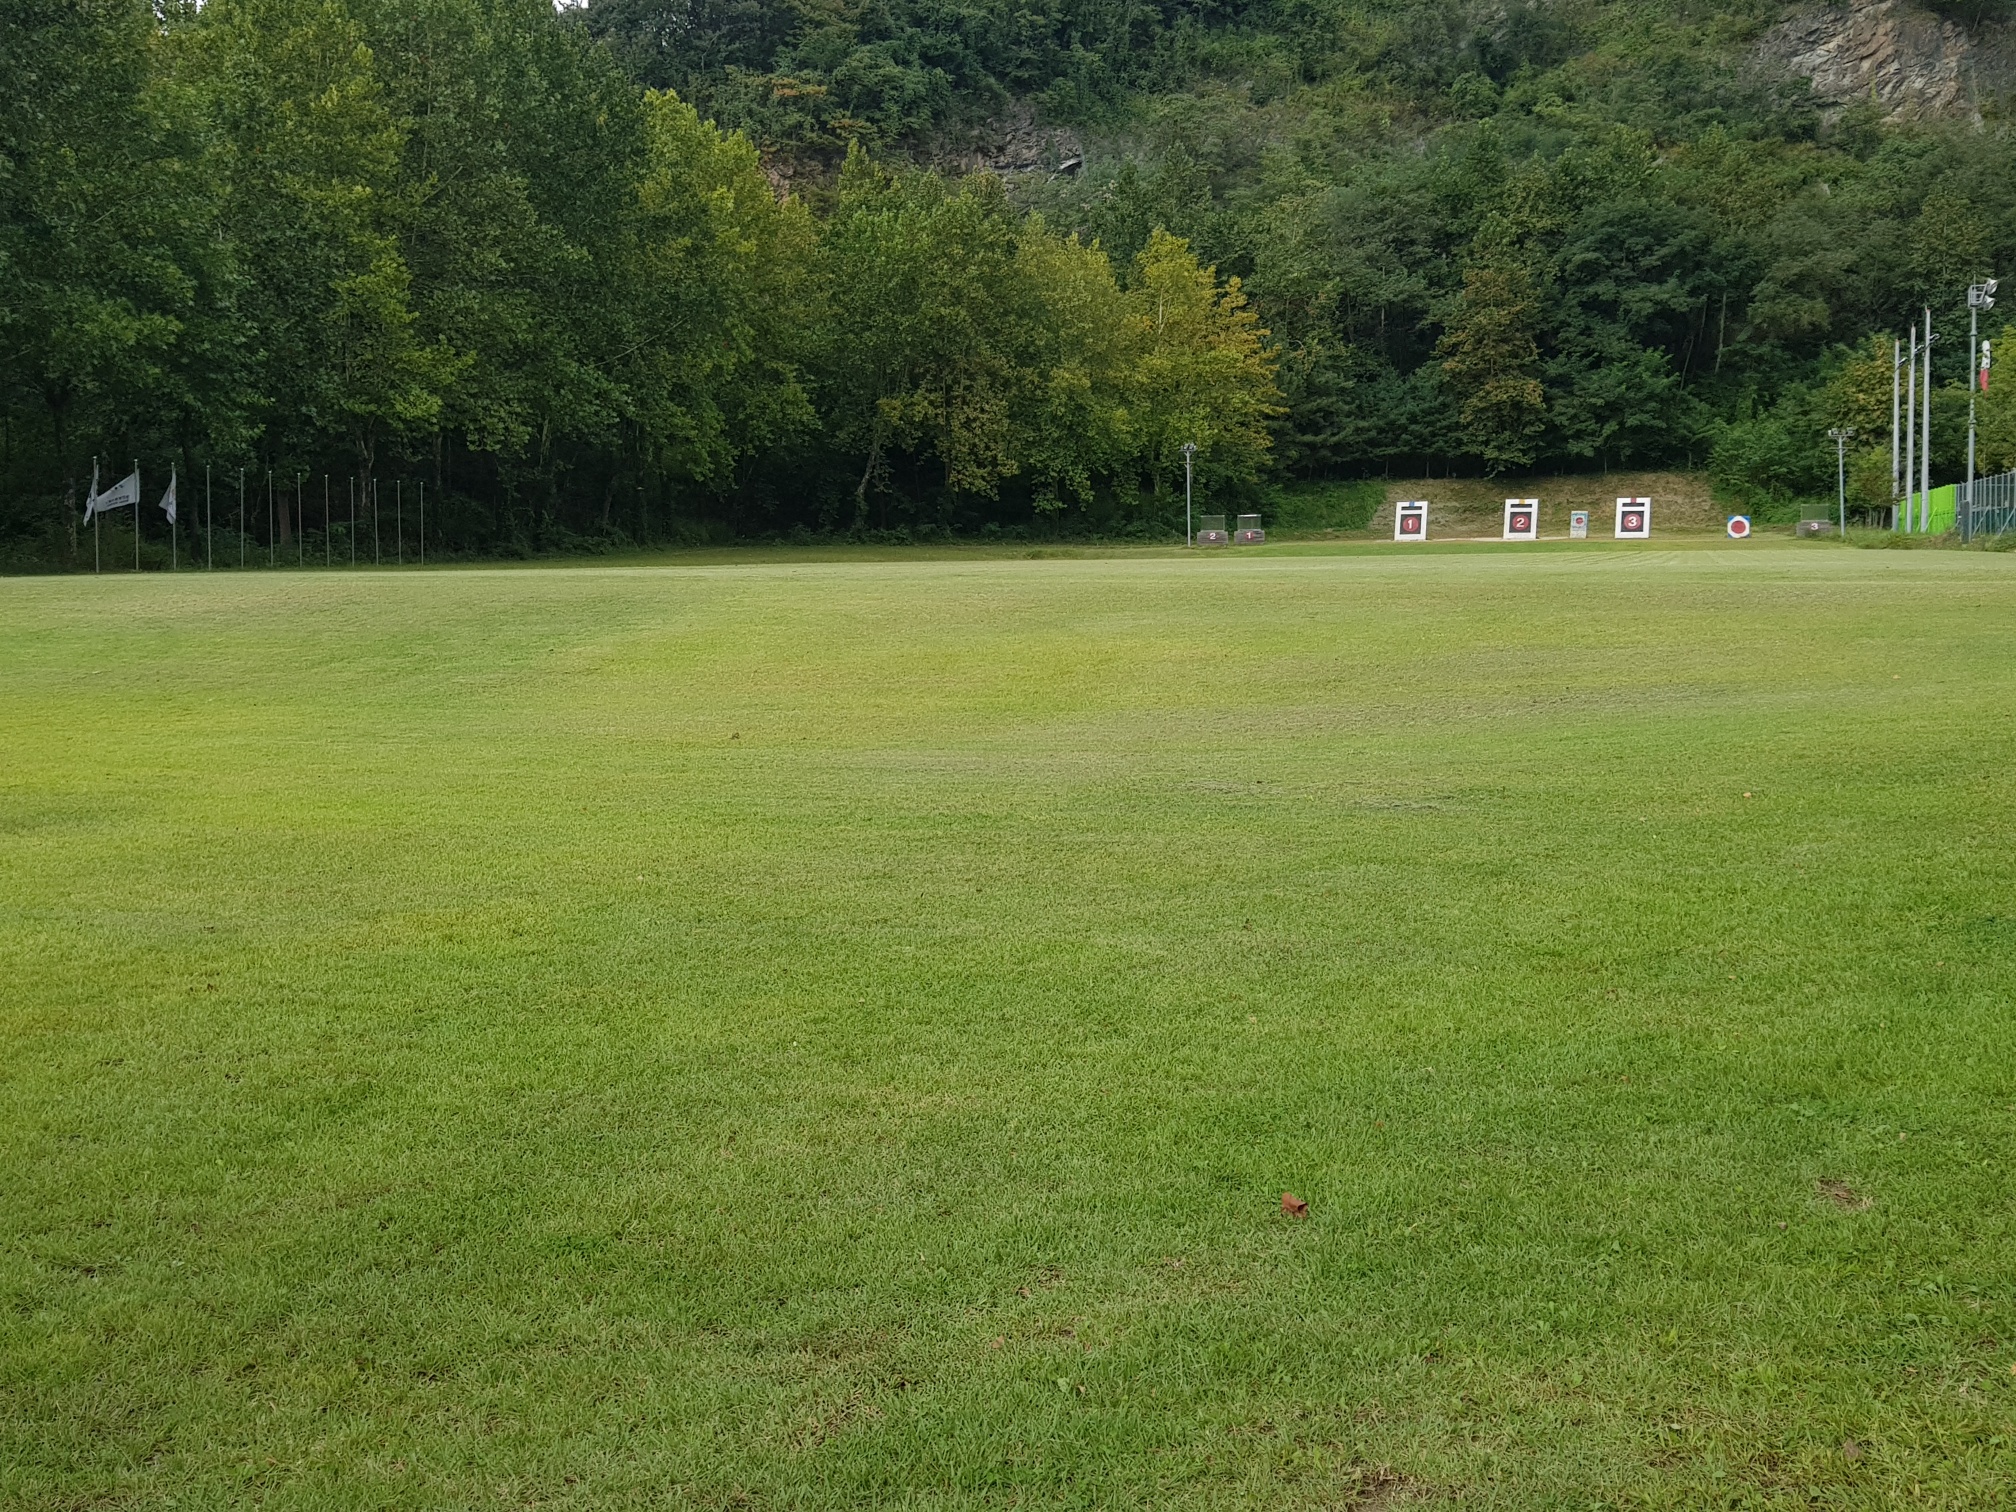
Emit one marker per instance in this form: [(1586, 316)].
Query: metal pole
[(137, 490), (241, 517), (1925, 447), (423, 522), (269, 517), (1842, 435), (97, 554), (328, 556), (399, 520), (1980, 297), (353, 519), (209, 540), (1189, 529), (1904, 503), (375, 558)]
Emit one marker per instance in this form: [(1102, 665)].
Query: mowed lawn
[(836, 1033)]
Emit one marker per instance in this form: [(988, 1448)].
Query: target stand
[(1410, 521), (1634, 519), (1211, 531), (1522, 519), (1578, 524)]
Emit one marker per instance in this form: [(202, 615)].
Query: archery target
[(1634, 519)]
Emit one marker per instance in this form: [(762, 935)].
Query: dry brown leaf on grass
[(1294, 1206)]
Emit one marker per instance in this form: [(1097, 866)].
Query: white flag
[(118, 496), (168, 498)]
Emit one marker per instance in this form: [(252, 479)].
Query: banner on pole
[(126, 491), (168, 498)]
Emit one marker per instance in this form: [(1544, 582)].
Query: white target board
[(1522, 519), (1410, 521), (1634, 519), (1578, 524)]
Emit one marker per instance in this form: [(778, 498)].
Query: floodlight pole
[(1189, 456), (1904, 505), (1842, 436), (1925, 438), (1980, 297)]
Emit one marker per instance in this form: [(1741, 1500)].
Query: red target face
[(1410, 524), (1522, 522), (1633, 521), (1738, 528)]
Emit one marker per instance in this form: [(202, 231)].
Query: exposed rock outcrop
[(1915, 65)]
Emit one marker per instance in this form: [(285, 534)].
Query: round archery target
[(1739, 527)]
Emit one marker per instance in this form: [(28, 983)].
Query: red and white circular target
[(1739, 527)]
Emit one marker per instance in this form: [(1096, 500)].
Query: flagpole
[(376, 555), (209, 541), (328, 556), (241, 517), (269, 517), (353, 519), (174, 538), (423, 522), (399, 519), (300, 523), (97, 557), (136, 514)]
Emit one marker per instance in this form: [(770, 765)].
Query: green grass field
[(835, 1033)]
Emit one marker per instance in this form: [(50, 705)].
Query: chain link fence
[(1987, 506)]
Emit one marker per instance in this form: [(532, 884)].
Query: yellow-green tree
[(1203, 371)]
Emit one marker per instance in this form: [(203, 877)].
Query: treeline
[(451, 241), (464, 242), (1486, 235)]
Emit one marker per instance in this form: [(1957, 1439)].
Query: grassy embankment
[(827, 1034)]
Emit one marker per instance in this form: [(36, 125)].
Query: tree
[(1204, 374), (1490, 360)]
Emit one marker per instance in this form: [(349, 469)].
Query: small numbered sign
[(1522, 519), (1634, 519), (1410, 521), (1739, 527), (1578, 524)]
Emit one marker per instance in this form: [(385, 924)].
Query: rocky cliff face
[(1912, 63)]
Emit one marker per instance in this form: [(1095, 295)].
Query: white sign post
[(1410, 521), (1522, 519), (1634, 519)]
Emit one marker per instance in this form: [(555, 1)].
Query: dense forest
[(646, 270)]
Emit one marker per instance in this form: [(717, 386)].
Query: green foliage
[(459, 240)]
